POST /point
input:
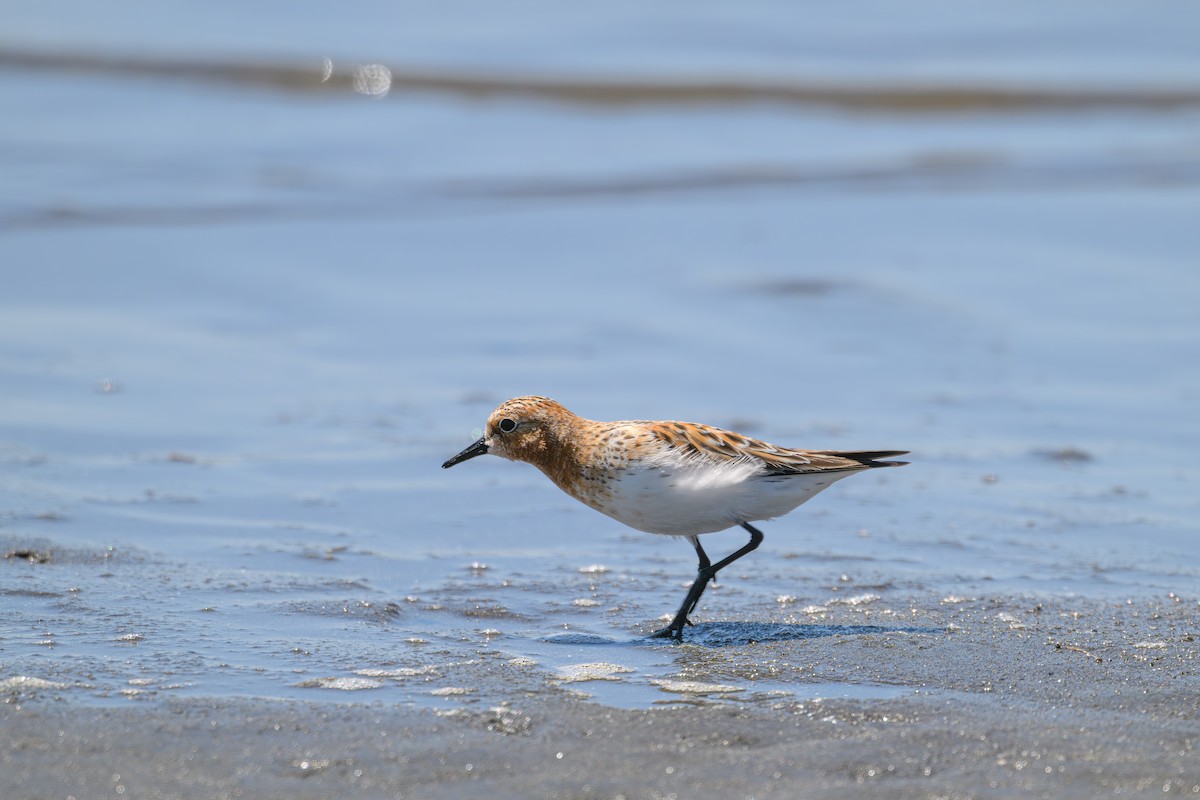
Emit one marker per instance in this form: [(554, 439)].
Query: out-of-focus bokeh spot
[(373, 80)]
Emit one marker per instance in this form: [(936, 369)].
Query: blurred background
[(265, 266)]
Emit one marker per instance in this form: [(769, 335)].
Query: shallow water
[(243, 322)]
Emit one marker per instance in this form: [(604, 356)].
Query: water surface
[(247, 314)]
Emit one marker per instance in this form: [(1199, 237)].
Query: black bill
[(479, 448)]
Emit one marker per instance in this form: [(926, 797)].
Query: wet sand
[(1009, 698)]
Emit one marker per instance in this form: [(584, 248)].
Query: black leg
[(704, 562), (705, 573), (705, 566)]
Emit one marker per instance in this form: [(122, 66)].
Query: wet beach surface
[(255, 294), (972, 697)]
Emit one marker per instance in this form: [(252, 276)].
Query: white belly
[(687, 500)]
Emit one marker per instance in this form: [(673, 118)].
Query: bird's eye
[(507, 425)]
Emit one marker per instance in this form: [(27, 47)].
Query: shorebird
[(670, 478)]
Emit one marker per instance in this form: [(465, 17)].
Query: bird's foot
[(674, 630)]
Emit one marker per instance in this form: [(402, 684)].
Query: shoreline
[(1051, 702)]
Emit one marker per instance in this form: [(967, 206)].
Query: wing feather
[(720, 446)]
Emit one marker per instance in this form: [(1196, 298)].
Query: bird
[(671, 478)]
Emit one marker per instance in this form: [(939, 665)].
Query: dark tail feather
[(867, 457)]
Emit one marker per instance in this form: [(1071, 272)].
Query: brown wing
[(705, 441)]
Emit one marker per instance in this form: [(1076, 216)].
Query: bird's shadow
[(736, 634), (739, 634)]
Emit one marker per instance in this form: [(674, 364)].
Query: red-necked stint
[(671, 478)]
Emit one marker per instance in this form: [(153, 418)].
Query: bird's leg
[(704, 565), (705, 573)]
